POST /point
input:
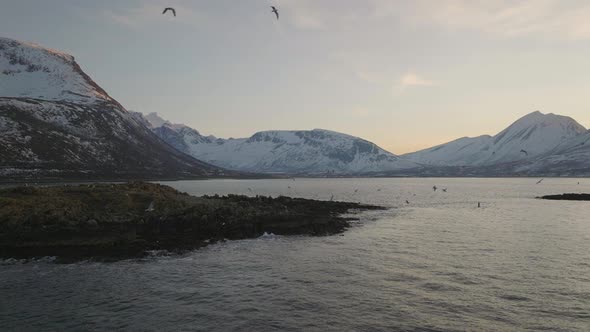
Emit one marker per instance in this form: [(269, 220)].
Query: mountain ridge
[(56, 122), (317, 151), (530, 136)]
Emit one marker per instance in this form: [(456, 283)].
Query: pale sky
[(403, 74)]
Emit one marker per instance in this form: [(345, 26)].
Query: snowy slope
[(316, 151), (569, 158), (31, 71), (529, 137), (55, 121), (463, 151)]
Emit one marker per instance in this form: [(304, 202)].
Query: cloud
[(368, 76), (556, 19), (504, 18), (410, 80), (303, 14)]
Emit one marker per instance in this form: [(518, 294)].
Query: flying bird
[(169, 9), (524, 151), (150, 207), (540, 181), (274, 10)]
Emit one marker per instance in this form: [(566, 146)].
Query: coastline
[(119, 221), (567, 197)]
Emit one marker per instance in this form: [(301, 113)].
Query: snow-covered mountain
[(307, 152), (31, 71), (56, 121), (569, 158), (530, 137)]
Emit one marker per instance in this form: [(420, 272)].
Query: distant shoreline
[(16, 182)]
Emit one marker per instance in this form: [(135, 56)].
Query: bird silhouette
[(444, 190), (540, 181), (525, 152), (150, 208), (169, 9), (274, 10)]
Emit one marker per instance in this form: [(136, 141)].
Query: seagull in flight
[(274, 10), (169, 9), (540, 181), (524, 151), (150, 207)]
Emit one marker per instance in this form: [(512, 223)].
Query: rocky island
[(567, 197), (115, 221)]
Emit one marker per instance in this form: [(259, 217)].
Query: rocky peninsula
[(116, 221), (567, 197)]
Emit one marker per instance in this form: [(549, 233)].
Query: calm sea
[(439, 263)]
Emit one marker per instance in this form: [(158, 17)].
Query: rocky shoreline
[(117, 221), (567, 197)]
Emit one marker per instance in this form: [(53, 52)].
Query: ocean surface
[(439, 263)]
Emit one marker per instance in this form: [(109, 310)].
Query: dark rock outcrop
[(119, 221), (567, 197)]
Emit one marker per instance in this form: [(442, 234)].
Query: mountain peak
[(8, 42), (29, 70), (56, 121), (316, 151), (538, 118), (155, 121), (531, 135)]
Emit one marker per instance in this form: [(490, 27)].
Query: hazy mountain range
[(55, 121), (536, 144), (309, 152)]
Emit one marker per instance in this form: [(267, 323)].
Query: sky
[(405, 75)]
